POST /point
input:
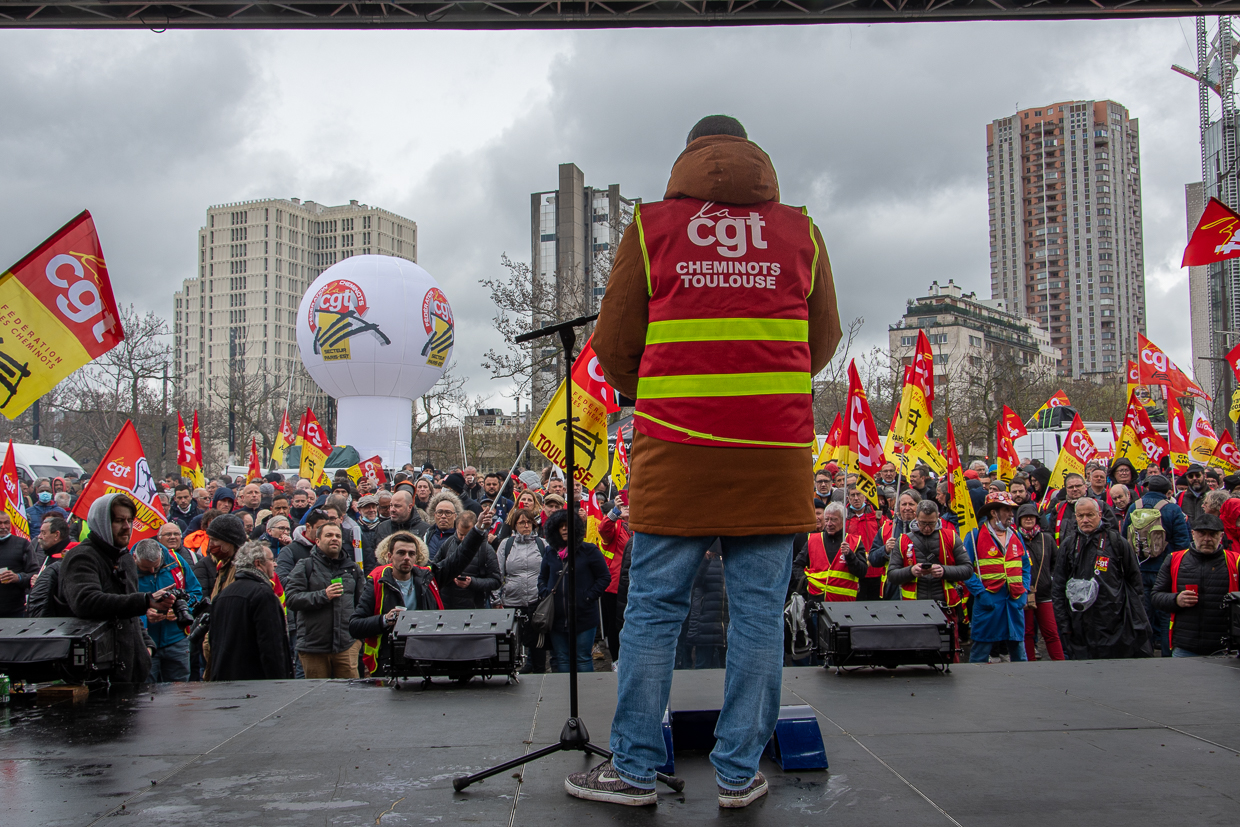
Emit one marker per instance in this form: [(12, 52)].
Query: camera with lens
[(186, 608)]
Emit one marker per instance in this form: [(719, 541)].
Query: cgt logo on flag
[(1216, 238)]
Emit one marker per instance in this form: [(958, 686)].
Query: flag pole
[(513, 470)]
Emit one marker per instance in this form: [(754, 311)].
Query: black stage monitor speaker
[(1232, 603), (885, 633), (458, 644), (38, 649)]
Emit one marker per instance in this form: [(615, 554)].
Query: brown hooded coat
[(693, 490)]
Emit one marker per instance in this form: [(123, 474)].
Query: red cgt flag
[(1233, 359), (588, 376), (255, 472), (1216, 238), (123, 470), (1156, 368)]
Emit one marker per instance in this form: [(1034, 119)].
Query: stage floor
[(1088, 743)]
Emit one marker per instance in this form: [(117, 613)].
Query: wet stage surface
[(1089, 743)]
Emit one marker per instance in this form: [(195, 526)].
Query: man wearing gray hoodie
[(99, 581)]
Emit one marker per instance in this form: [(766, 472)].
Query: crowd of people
[(1115, 564), (301, 581)]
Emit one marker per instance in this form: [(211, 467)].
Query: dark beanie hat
[(456, 482), (223, 493), (228, 528), (1158, 483)]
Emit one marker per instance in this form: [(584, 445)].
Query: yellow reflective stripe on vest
[(724, 330), (700, 435), (699, 385), (641, 238), (813, 265)]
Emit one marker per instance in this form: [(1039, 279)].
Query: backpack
[(1146, 534)]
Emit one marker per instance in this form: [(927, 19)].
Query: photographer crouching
[(158, 568), (99, 581)]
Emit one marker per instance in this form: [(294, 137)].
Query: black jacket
[(44, 599), (928, 549), (23, 558), (1190, 503), (1115, 626), (592, 575), (415, 525), (1205, 628), (298, 549), (483, 568), (99, 581), (248, 639), (367, 620), (708, 603), (1042, 554), (323, 622)]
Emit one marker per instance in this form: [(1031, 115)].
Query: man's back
[(723, 170)]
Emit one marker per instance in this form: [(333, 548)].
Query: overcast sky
[(879, 130)]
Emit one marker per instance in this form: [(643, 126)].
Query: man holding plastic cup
[(323, 589)]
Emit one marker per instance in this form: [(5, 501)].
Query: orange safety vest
[(196, 542), (947, 542), (999, 567), (370, 646), (727, 360), (1233, 581), (831, 577)]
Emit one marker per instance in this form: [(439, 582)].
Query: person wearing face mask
[(444, 510), (368, 525), (1000, 583), (99, 581), (43, 504)]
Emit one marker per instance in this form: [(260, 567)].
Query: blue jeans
[(561, 650), (171, 663), (1177, 652), (980, 653), (660, 585)]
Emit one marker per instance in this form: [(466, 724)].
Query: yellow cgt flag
[(57, 313), (589, 434)]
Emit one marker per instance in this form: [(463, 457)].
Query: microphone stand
[(574, 736)]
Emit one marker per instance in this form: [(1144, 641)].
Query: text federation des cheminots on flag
[(57, 313)]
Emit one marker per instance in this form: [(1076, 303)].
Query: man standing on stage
[(719, 311)]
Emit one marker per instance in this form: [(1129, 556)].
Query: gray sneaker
[(734, 799), (603, 784)]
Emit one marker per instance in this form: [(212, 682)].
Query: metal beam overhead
[(564, 14)]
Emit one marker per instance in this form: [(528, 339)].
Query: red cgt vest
[(1000, 567), (727, 358), (830, 578)]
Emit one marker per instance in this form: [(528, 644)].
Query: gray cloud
[(879, 130)]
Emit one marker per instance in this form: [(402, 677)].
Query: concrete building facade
[(965, 331), (1064, 191), (234, 321), (574, 230)]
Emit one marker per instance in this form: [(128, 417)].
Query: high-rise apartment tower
[(574, 231), (1065, 228)]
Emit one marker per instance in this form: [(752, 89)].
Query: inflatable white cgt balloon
[(375, 333)]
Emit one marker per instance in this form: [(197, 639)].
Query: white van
[(1044, 443), (37, 461)]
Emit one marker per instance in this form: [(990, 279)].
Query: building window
[(938, 338)]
